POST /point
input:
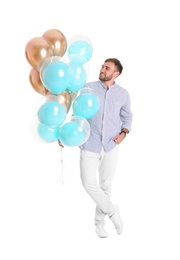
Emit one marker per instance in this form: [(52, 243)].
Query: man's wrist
[(125, 130)]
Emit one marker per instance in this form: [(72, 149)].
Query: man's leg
[(88, 167), (107, 168)]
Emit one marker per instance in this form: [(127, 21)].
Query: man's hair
[(117, 64)]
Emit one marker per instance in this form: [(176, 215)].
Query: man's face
[(107, 72)]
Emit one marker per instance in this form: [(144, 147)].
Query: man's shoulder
[(117, 86)]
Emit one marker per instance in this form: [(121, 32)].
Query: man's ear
[(116, 74)]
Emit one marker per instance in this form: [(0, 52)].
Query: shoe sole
[(102, 236)]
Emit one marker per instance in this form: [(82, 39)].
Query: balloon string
[(61, 177)]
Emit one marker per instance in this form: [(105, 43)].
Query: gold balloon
[(35, 80), (65, 99), (37, 50), (57, 41)]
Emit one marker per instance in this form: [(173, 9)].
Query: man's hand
[(118, 138)]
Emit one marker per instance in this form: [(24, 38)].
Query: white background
[(39, 217)]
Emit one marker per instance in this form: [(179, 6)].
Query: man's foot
[(101, 232), (116, 219)]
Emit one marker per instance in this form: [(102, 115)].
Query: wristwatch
[(123, 132)]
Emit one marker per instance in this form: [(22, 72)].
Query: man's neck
[(108, 83)]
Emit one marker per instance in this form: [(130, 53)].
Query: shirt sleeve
[(126, 114)]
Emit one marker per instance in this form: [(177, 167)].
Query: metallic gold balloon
[(35, 80), (57, 41), (65, 99), (37, 50)]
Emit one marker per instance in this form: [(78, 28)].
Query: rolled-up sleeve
[(126, 114)]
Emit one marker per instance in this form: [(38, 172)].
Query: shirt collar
[(103, 85)]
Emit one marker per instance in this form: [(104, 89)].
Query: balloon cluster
[(59, 72)]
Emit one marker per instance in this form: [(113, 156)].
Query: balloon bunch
[(59, 72)]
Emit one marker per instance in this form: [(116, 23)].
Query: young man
[(108, 129)]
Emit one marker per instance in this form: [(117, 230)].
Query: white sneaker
[(116, 219), (101, 232)]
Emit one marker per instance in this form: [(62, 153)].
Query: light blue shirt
[(113, 115)]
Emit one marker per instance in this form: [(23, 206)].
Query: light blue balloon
[(52, 114), (71, 134), (82, 48), (56, 76), (78, 77), (48, 134), (86, 105), (77, 58)]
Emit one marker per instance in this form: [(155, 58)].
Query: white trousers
[(99, 188)]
